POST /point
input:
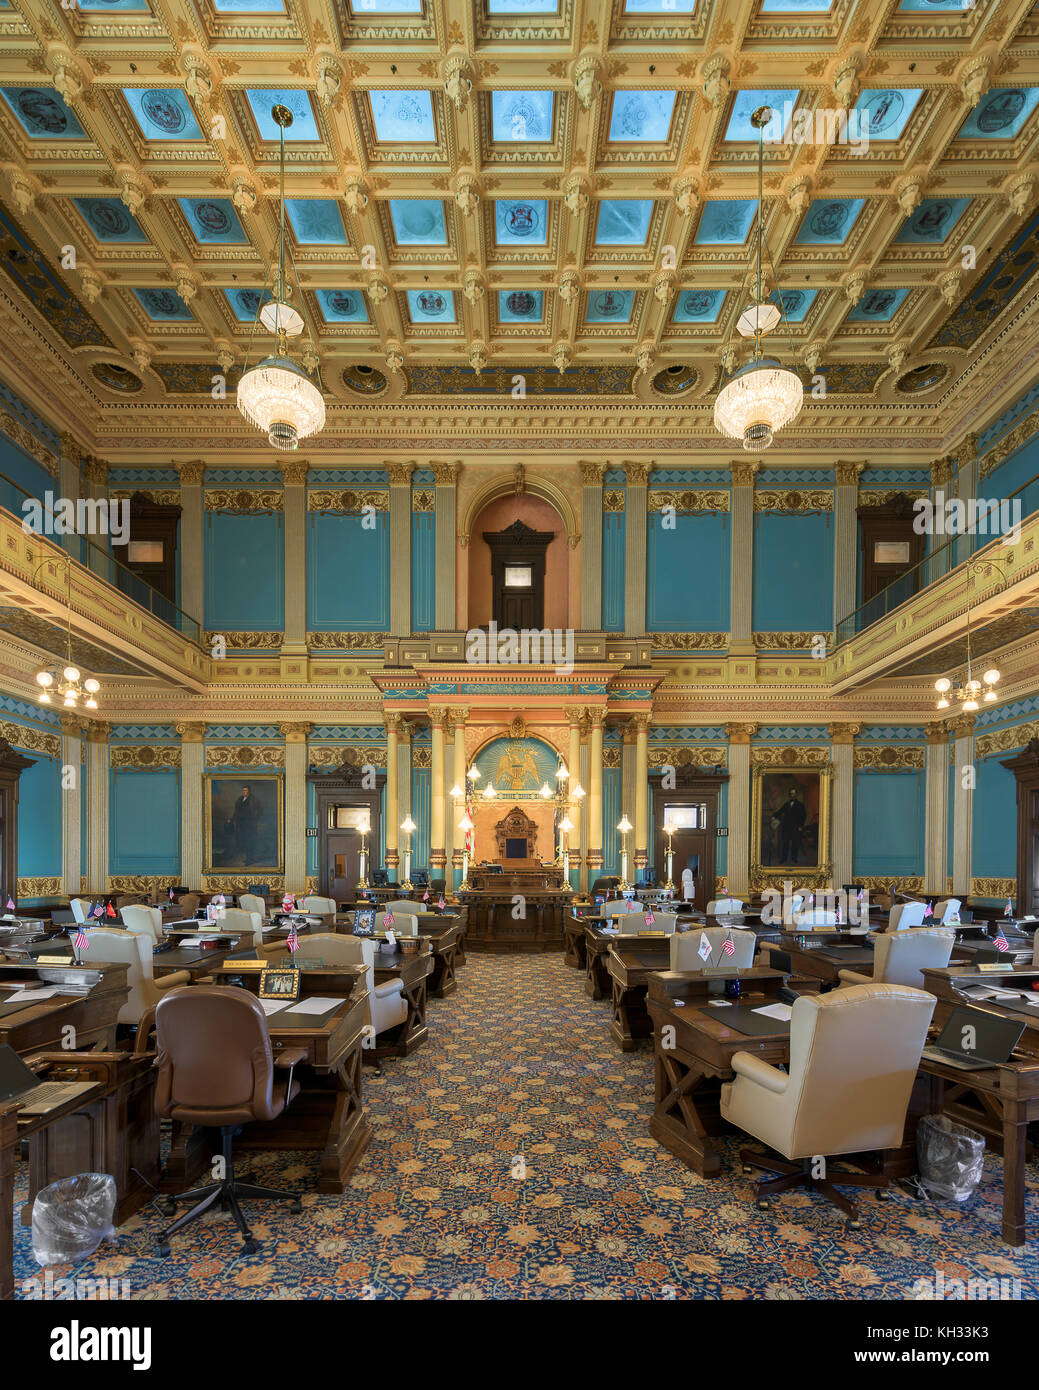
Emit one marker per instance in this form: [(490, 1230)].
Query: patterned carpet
[(520, 1066)]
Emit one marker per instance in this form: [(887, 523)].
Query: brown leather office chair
[(216, 1069)]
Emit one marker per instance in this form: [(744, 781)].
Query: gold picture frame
[(229, 846), (793, 846)]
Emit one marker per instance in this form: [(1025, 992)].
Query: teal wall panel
[(1013, 473), (888, 823), (611, 814), (39, 818), (245, 572), (420, 814), (144, 821), (613, 572), (687, 574), (994, 842), (23, 471), (423, 571), (348, 573), (793, 572)]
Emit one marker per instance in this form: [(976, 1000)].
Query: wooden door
[(343, 868), (1025, 767), (690, 851)]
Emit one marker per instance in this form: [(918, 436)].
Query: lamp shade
[(278, 397), (760, 399)]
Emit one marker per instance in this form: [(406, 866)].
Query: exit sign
[(722, 831)]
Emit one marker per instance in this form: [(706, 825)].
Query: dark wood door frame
[(1025, 767), (12, 765), (344, 785), (518, 544), (892, 522), (691, 789)]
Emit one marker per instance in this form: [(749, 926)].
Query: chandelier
[(277, 395), (763, 396), (967, 687), (66, 682)]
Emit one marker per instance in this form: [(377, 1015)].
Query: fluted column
[(191, 543), (842, 740), (635, 548), (70, 485), (573, 809), (963, 804), (641, 722), (943, 486), (591, 546), (738, 872), (966, 458), (97, 765), (445, 477), (595, 721), (741, 600), (437, 795), (936, 812), (71, 806), (845, 543), (295, 806), (294, 644), (458, 780), (192, 766), (393, 816), (400, 548)]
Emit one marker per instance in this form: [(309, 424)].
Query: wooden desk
[(43, 1027), (111, 1128), (596, 943), (328, 1114), (999, 1102), (412, 971), (689, 1073), (574, 948), (491, 924), (630, 961), (196, 960), (829, 956), (445, 936)]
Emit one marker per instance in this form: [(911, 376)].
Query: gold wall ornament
[(902, 758), (347, 641), (591, 473), (294, 472), (28, 443), (31, 740), (793, 756), (882, 883), (689, 755), (332, 755), (797, 501), (611, 756), (1005, 740), (847, 474), (244, 502), (347, 501), (400, 473), (247, 641), (155, 885), (882, 497), (1009, 444), (690, 501), (421, 756), (446, 474), (163, 497), (788, 641), (690, 641), (144, 755), (191, 473), (613, 500), (942, 470), (39, 887), (999, 888), (742, 473), (423, 500), (239, 883), (245, 755)]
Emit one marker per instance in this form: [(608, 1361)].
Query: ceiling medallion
[(363, 379), (924, 378), (676, 379), (277, 394), (762, 396), (116, 378)]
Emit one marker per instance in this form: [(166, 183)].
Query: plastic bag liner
[(950, 1157), (71, 1218)]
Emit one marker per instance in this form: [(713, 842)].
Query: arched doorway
[(518, 543)]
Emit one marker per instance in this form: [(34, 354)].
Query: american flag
[(650, 919), (425, 896), (1001, 943), (930, 910), (171, 894), (1009, 907), (838, 907), (388, 919), (80, 941), (292, 940), (10, 904), (728, 945), (441, 903), (98, 910)]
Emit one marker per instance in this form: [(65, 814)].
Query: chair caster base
[(162, 1250), (763, 1204), (167, 1205), (250, 1246), (853, 1223), (296, 1206)]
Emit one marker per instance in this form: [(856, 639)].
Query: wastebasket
[(950, 1156), (71, 1218)]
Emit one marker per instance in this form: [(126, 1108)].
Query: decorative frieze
[(240, 883), (245, 755), (347, 641), (243, 502), (690, 501), (903, 883), (154, 885), (39, 887), (28, 442), (162, 497), (32, 740), (690, 641), (793, 501), (790, 755), (788, 641), (247, 641), (1005, 740), (333, 755), (883, 497), (1008, 445), (688, 755), (144, 755), (1000, 888), (884, 758), (348, 501)]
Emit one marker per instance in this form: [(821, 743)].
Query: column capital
[(295, 733), (963, 725), (641, 722), (393, 721), (966, 450), (740, 733), (405, 729), (96, 732), (191, 732), (94, 471), (743, 472), (574, 715), (843, 733), (942, 470), (628, 732), (73, 725), (847, 474), (446, 474), (438, 716), (596, 716), (294, 472), (191, 473), (458, 715), (71, 448), (400, 473), (591, 473), (637, 474), (937, 732)]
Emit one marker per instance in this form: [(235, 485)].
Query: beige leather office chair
[(1035, 949), (618, 907), (387, 1007), (134, 949), (247, 925), (899, 957), (80, 907), (815, 917), (146, 920), (403, 924), (409, 905), (948, 910), (325, 908), (685, 948), (252, 902), (904, 915), (635, 924), (854, 1055), (720, 905)]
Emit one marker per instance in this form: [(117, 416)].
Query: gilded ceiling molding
[(347, 502), (902, 758), (790, 755), (257, 755), (143, 755), (798, 501), (689, 641), (1008, 445), (786, 641), (239, 502), (690, 501), (347, 641), (32, 740), (1005, 740)]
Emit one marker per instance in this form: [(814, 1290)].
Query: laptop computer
[(18, 1082), (974, 1038), (364, 921)]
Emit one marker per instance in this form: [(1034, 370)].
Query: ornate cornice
[(794, 500), (191, 473), (690, 501), (347, 501), (902, 758)]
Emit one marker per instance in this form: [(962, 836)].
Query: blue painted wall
[(687, 574), (888, 824), (994, 842), (793, 572), (420, 814), (39, 818), (613, 572), (144, 821), (348, 573), (24, 471), (245, 571), (611, 814), (423, 571), (1013, 473)]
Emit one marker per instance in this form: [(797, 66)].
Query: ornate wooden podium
[(516, 903)]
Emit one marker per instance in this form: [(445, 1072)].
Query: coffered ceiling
[(481, 191)]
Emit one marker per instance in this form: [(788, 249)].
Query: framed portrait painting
[(791, 821), (243, 823)]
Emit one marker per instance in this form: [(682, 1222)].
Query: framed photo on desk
[(279, 984)]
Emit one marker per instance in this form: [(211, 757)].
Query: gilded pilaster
[(295, 736), (635, 548), (71, 804), (294, 646), (741, 586), (591, 546), (842, 740), (845, 541), (445, 477), (191, 541), (400, 548), (936, 809), (192, 766), (738, 872)]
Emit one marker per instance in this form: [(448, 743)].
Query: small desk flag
[(704, 950), (728, 945), (441, 903), (388, 919), (650, 919), (292, 940), (1000, 942), (1009, 907), (80, 941)]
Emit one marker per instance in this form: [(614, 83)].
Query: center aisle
[(520, 1074)]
